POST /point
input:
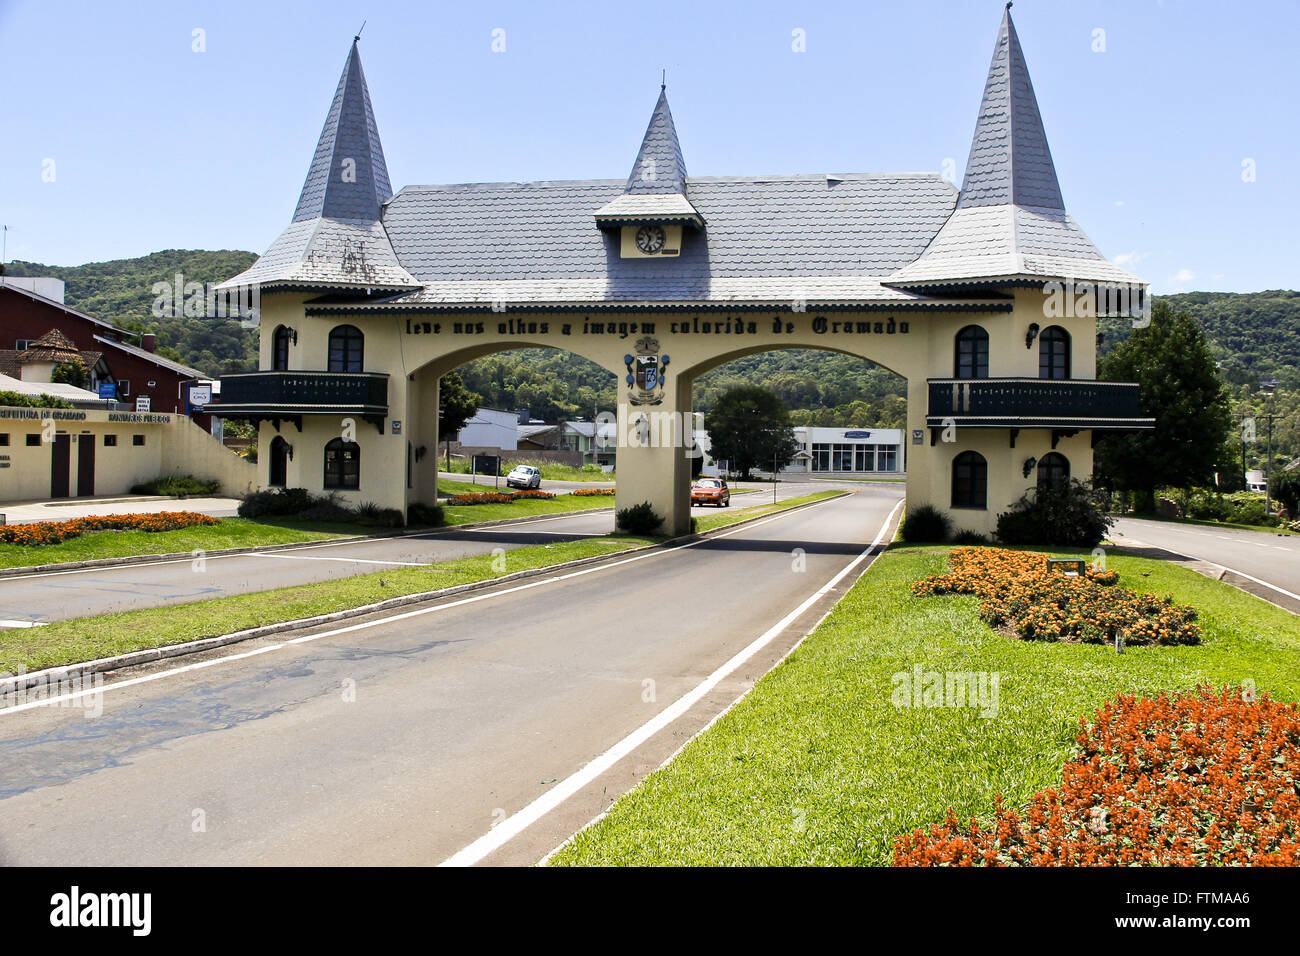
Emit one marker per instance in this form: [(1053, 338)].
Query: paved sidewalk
[(65, 509)]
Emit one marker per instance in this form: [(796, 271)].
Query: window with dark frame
[(280, 349), (972, 353), (110, 441), (4, 439), (1054, 353), (342, 464), (33, 440), (346, 348), (1053, 471), (137, 440), (970, 480)]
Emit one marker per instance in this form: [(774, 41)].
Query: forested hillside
[(1255, 337), (121, 292)]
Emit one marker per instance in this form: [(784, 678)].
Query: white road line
[(307, 638), (309, 557), (513, 825), (1221, 567), (22, 624), (306, 546)]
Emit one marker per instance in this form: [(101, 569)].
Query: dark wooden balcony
[(292, 394), (1064, 405)]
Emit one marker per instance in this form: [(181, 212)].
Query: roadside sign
[(108, 390), (200, 395), (142, 403)]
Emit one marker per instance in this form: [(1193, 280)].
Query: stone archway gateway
[(368, 298)]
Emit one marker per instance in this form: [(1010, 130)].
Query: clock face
[(650, 239)]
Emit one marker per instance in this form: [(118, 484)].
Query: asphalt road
[(58, 595), (400, 739), (1272, 559)]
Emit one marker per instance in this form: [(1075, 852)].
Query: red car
[(710, 491)]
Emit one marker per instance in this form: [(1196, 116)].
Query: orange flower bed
[(1204, 779), (541, 495), (42, 533), (1016, 590), (592, 492), (481, 498)]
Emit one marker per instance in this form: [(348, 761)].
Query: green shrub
[(969, 538), (280, 503), (1245, 507), (19, 400), (638, 519), (926, 524), (177, 485), (1070, 515), (330, 509), (425, 515), (1285, 487)]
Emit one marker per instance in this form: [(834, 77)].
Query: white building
[(491, 428), (844, 451)]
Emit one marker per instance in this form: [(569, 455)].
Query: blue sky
[(155, 146)]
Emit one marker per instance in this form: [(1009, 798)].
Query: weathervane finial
[(357, 38)]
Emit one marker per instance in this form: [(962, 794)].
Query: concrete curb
[(73, 672), (250, 549)]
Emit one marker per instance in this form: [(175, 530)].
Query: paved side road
[(401, 739), (54, 596), (1271, 560)]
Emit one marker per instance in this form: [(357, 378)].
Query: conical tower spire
[(348, 178), (1010, 162), (659, 166)]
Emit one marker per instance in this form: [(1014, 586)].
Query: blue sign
[(108, 390), (857, 434)]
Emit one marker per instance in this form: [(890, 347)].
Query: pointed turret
[(1009, 223), (1009, 160), (348, 178), (656, 188), (337, 237)]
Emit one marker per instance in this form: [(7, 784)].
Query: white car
[(524, 476)]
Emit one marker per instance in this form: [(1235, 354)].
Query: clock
[(650, 239)]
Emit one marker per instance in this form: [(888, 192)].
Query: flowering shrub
[(481, 498), (542, 495), (1204, 779), (1017, 590), (592, 492), (54, 532)]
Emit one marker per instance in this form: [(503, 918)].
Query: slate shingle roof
[(835, 240), (1010, 222)]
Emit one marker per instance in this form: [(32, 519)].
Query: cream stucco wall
[(173, 445), (416, 349)]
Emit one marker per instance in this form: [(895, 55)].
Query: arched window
[(346, 345), (970, 480), (280, 349), (1053, 471), (972, 359), (1054, 353), (279, 461), (342, 464)]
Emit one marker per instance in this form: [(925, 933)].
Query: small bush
[(280, 503), (19, 400), (970, 538), (926, 524), (177, 485), (638, 519), (388, 518), (330, 510), (1069, 515), (1245, 507), (430, 516)]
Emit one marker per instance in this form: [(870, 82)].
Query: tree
[(456, 405), (71, 373), (749, 426), (1182, 390)]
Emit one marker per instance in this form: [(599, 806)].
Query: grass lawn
[(523, 508), (549, 469), (231, 533), (817, 766), (87, 638), (726, 516)]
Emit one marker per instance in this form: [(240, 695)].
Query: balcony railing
[(1034, 403), (294, 393)]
